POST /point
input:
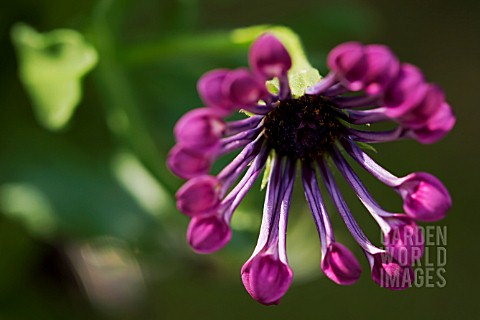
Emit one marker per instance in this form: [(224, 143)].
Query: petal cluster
[(366, 84), (391, 90)]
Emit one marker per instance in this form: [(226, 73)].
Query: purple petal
[(242, 88), (317, 206), (200, 129), (405, 91), (430, 103), (383, 67), (340, 265), (343, 210), (239, 192), (208, 234), (199, 195), (266, 278), (348, 61), (425, 197), (437, 126), (370, 165), (405, 241), (388, 273), (328, 82), (209, 88), (187, 163), (269, 58)]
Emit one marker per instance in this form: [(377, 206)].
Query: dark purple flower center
[(303, 128)]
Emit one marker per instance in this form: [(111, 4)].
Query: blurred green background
[(88, 227)]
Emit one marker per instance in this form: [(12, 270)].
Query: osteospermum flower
[(366, 84)]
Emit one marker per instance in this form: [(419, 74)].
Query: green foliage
[(51, 66)]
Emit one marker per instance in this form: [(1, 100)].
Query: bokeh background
[(88, 227)]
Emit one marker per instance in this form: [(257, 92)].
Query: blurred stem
[(210, 44), (127, 123), (123, 112)]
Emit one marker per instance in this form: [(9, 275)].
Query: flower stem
[(211, 44), (123, 111)]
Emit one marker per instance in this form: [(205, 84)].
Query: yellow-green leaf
[(51, 66)]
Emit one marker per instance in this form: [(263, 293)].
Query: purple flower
[(366, 84)]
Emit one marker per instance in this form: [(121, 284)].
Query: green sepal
[(366, 146)]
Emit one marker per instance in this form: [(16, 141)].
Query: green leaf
[(266, 173), (302, 75), (51, 66)]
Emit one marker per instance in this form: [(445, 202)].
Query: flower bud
[(427, 106), (269, 58), (425, 197), (266, 278), (187, 163), (243, 89), (404, 242), (207, 234), (383, 67), (199, 195), (404, 91), (200, 129), (209, 88), (388, 273), (348, 61), (340, 265), (437, 126)]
